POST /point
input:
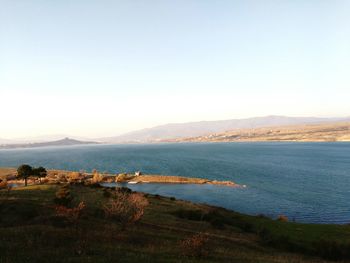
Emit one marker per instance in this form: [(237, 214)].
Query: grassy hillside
[(32, 231), (327, 132)]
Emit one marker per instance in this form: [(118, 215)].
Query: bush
[(96, 177), (195, 246), (76, 176), (125, 208), (282, 218), (63, 196), (71, 214), (172, 198)]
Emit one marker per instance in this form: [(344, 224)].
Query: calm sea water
[(308, 182)]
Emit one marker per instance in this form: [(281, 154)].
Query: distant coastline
[(268, 128), (63, 142), (325, 132)]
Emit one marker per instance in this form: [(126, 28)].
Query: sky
[(101, 68)]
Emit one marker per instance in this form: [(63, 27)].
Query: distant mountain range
[(172, 131), (194, 129), (63, 142)]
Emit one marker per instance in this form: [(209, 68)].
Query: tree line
[(25, 170)]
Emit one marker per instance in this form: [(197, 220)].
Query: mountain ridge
[(322, 132), (173, 131), (201, 128)]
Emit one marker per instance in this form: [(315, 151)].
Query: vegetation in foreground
[(78, 223)]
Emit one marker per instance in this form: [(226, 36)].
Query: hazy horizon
[(56, 136), (102, 68)]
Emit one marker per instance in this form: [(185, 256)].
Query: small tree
[(40, 172), (24, 171)]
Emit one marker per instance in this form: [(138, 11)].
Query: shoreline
[(63, 176)]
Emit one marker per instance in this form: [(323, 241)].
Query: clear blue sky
[(96, 68)]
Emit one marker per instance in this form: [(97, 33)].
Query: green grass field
[(31, 232)]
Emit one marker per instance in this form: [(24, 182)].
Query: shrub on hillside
[(195, 246), (126, 208), (71, 214), (75, 177), (282, 218), (63, 196), (96, 177)]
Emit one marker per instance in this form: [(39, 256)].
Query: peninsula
[(62, 176)]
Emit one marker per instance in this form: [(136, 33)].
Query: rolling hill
[(195, 129), (325, 132)]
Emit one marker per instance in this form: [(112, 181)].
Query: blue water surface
[(308, 182)]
